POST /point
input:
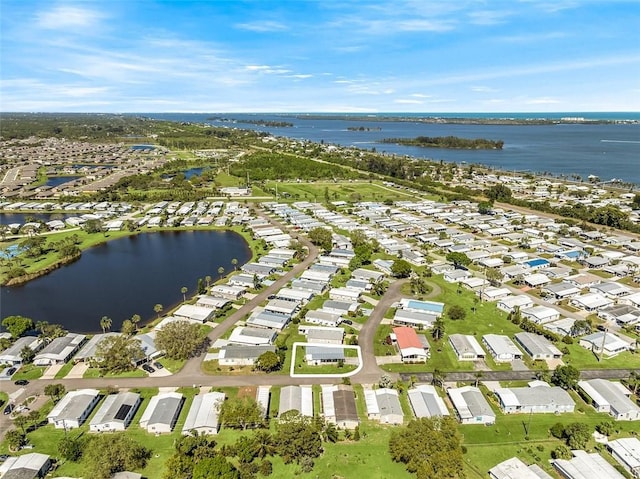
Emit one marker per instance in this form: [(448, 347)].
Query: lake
[(124, 277), (606, 150), (11, 218), (54, 181)]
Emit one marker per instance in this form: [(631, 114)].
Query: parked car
[(21, 382), (158, 365), (10, 371), (148, 368), (347, 321), (8, 410)]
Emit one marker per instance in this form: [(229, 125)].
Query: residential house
[(27, 466), (426, 402), (412, 348), (339, 406), (242, 354), (116, 412), (610, 397), (203, 415), (510, 303), (537, 347), (626, 451), (539, 397), (60, 350), (466, 347), (383, 405), (296, 398), (514, 468), (317, 355), (12, 356), (501, 348), (540, 314), (246, 335), (606, 343), (471, 406), (585, 466), (162, 413), (73, 409)]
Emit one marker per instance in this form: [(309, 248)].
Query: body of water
[(59, 180), (605, 150), (124, 277)]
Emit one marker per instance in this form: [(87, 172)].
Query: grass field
[(337, 191), (28, 372)]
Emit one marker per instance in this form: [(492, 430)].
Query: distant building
[(383, 405), (203, 414), (585, 466), (296, 398), (116, 412), (514, 468), (73, 409), (426, 402), (611, 397), (471, 406), (627, 452), (162, 413)]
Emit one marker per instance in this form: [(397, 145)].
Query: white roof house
[(252, 336), (509, 303), (540, 314), (263, 397), (466, 347), (74, 408), (609, 344), (585, 466), (591, 301), (494, 294), (383, 405), (116, 412), (195, 313), (26, 466), (323, 318), (414, 319), (162, 412), (627, 452), (537, 347), (59, 350), (471, 406), (514, 468), (539, 397), (242, 354), (344, 294), (322, 334), (203, 414), (426, 402), (501, 347), (227, 291), (12, 355), (296, 398), (611, 397)]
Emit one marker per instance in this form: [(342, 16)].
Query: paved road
[(370, 372), (514, 375)]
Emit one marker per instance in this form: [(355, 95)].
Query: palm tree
[(263, 444), (329, 432), (41, 326), (438, 377), (184, 290), (208, 280), (221, 271), (234, 262), (478, 375), (158, 309), (21, 421), (105, 323), (135, 319), (438, 329)]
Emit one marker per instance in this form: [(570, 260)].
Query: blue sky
[(317, 56)]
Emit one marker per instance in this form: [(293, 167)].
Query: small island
[(269, 123), (452, 142), (364, 128)]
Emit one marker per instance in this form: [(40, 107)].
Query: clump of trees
[(241, 413), (453, 142), (17, 325), (401, 268), (181, 339), (321, 237), (576, 434), (429, 447), (118, 353)]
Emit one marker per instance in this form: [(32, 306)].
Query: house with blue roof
[(537, 263), (417, 306)]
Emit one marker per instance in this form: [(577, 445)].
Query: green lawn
[(172, 365), (340, 191), (303, 368), (96, 373), (64, 370), (380, 347), (29, 372)]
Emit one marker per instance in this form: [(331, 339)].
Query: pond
[(124, 277), (59, 180)]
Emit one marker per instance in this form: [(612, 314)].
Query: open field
[(337, 191)]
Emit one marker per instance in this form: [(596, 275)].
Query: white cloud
[(64, 17), (420, 95), (483, 89), (262, 26), (405, 101)]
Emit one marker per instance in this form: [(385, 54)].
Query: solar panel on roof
[(122, 412)]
